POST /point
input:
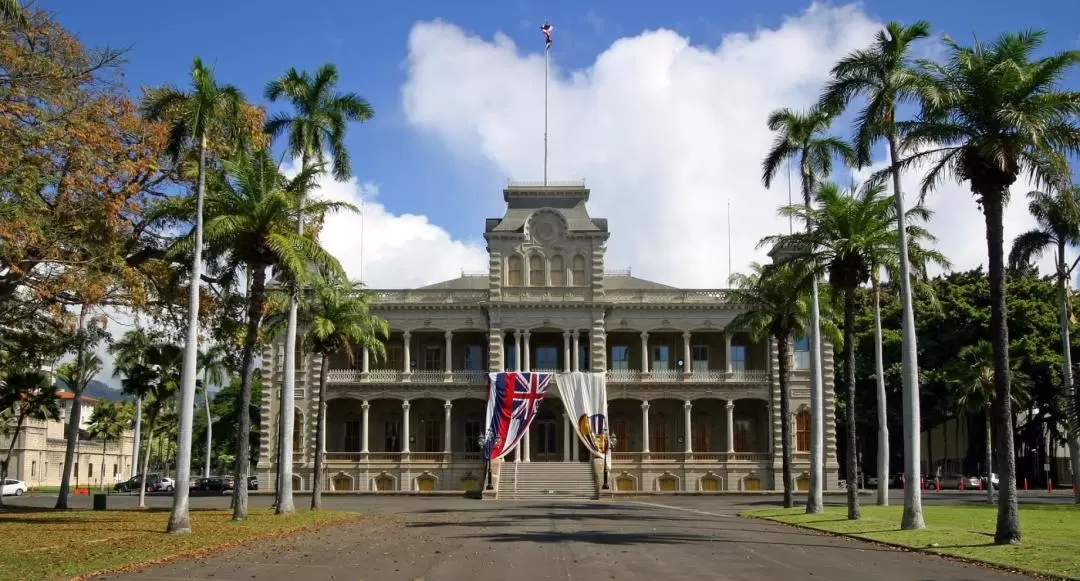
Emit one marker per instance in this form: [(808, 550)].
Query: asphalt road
[(670, 538)]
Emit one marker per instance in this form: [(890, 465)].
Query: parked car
[(13, 487), (136, 482), (164, 484), (993, 480), (953, 482), (253, 482)]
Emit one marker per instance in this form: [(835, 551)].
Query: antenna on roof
[(729, 238)]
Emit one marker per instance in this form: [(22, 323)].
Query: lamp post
[(482, 440), (609, 442)]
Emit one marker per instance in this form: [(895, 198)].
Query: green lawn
[(1051, 533), (38, 544)]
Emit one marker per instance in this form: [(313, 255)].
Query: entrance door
[(546, 442)]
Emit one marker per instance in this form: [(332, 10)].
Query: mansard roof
[(566, 199)]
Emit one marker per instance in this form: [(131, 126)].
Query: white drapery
[(584, 395)]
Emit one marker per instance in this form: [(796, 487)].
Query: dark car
[(135, 482), (253, 482)]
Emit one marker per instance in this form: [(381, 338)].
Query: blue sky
[(250, 43)]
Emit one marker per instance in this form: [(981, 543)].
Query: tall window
[(433, 358), (536, 270), (474, 358), (699, 358), (353, 436), (659, 436), (510, 354), (472, 436), (738, 358), (90, 470), (661, 357), (801, 351), (558, 271), (395, 357), (392, 436), (583, 355), (700, 427), (578, 271), (298, 431), (298, 355), (433, 433), (622, 436), (745, 440), (547, 357), (802, 431), (513, 271), (620, 357)]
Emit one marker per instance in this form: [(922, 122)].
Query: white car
[(166, 484), (14, 487)]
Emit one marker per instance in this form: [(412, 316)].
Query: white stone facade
[(706, 395)]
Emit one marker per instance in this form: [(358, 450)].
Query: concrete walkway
[(649, 539)]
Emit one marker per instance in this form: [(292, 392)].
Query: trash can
[(100, 501)]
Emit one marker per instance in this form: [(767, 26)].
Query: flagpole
[(361, 240), (547, 52), (790, 222), (729, 239)]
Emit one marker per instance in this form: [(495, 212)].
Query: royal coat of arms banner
[(513, 398), (585, 397)]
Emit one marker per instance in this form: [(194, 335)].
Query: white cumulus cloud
[(666, 132)]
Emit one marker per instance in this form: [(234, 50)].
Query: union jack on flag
[(513, 400)]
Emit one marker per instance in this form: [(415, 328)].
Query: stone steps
[(547, 481)]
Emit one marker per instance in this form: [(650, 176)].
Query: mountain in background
[(99, 390)]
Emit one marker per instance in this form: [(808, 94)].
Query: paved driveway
[(437, 539)]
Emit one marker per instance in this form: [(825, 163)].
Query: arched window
[(513, 271), (579, 271), (536, 270), (802, 431), (298, 431), (558, 271)]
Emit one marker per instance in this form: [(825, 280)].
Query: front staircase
[(547, 481)]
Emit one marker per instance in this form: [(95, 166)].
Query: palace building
[(693, 404)]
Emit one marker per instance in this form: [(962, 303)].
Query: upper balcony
[(550, 294), (748, 376)]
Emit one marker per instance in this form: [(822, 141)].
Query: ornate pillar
[(645, 427), (727, 351), (517, 350), (517, 452), (364, 435), (525, 442), (686, 421), (644, 352), (447, 432), (567, 437), (448, 374), (576, 354), (730, 427), (405, 426), (407, 372), (566, 351), (687, 355), (365, 361), (527, 366)]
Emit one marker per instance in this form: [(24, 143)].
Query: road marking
[(682, 508)]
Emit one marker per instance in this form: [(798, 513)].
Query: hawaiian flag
[(513, 398), (546, 29)]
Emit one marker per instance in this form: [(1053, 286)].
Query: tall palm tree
[(338, 321), (108, 422), (1058, 220), (801, 137), (988, 113), (316, 129), (193, 115), (779, 306), (251, 226), (128, 352), (155, 380), (882, 73), (215, 372)]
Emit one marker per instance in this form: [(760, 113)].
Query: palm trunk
[(814, 501), (243, 444), (1072, 432), (883, 419), (989, 458), (849, 376), (74, 418), (11, 447), (101, 473), (209, 428), (146, 465), (913, 514), (1008, 518), (138, 439), (784, 363), (180, 519), (320, 436)]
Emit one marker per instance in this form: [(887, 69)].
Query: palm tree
[(1058, 219), (25, 395), (316, 128), (128, 352), (76, 375), (154, 380), (206, 106), (12, 12), (338, 321), (988, 113), (883, 74), (215, 372), (778, 299), (250, 226), (108, 422), (801, 137)]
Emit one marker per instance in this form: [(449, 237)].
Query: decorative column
[(727, 351), (645, 427), (730, 427), (407, 372), (517, 452), (686, 420), (365, 406), (525, 441), (365, 363), (566, 351), (448, 375), (517, 350), (447, 432), (576, 354), (525, 344), (405, 426), (687, 355), (644, 352), (566, 436)]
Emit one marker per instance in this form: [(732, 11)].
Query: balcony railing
[(472, 377), (354, 457), (689, 457), (755, 376)]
